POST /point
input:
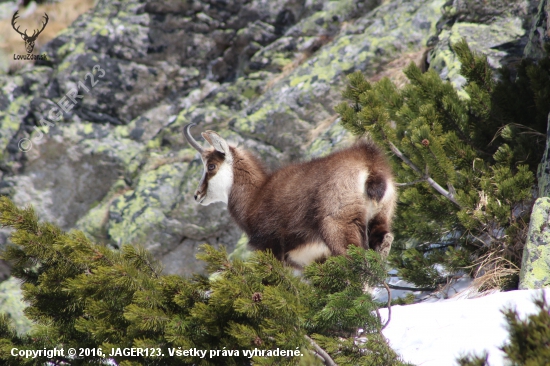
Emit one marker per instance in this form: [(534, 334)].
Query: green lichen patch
[(95, 221), (10, 120), (140, 214), (12, 304), (482, 38)]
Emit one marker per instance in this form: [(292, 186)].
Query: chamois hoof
[(384, 248)]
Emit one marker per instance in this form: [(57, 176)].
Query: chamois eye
[(211, 166)]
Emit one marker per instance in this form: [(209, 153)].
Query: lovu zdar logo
[(29, 40)]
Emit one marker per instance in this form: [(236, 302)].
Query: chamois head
[(217, 177)]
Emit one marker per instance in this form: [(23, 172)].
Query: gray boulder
[(535, 267), (496, 28)]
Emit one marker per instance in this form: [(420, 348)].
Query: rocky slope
[(264, 74), (535, 265)]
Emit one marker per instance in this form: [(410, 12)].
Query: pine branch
[(430, 181), (463, 135), (140, 257), (321, 352)]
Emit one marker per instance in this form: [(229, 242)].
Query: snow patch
[(437, 333)]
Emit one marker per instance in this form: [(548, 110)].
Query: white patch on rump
[(309, 253), (371, 205), (219, 185), (389, 194), (362, 180)]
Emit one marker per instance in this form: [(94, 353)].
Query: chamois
[(303, 212)]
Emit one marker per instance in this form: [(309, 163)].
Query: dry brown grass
[(61, 15), (493, 271), (394, 69)]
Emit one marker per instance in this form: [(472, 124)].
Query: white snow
[(436, 333)]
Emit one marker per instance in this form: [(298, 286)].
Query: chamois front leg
[(379, 237)]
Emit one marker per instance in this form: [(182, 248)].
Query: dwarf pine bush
[(466, 162), (83, 295)]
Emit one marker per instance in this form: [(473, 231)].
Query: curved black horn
[(190, 138)]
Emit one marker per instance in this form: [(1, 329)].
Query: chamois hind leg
[(339, 232), (379, 237)]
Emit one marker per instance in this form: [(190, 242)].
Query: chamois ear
[(217, 142)]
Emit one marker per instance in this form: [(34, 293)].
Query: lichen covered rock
[(543, 174), (535, 266), (496, 28), (539, 34)]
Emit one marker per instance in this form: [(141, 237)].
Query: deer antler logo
[(29, 40)]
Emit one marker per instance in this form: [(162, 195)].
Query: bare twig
[(441, 246), (411, 288), (530, 131), (321, 352), (430, 181), (411, 183), (389, 305)]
